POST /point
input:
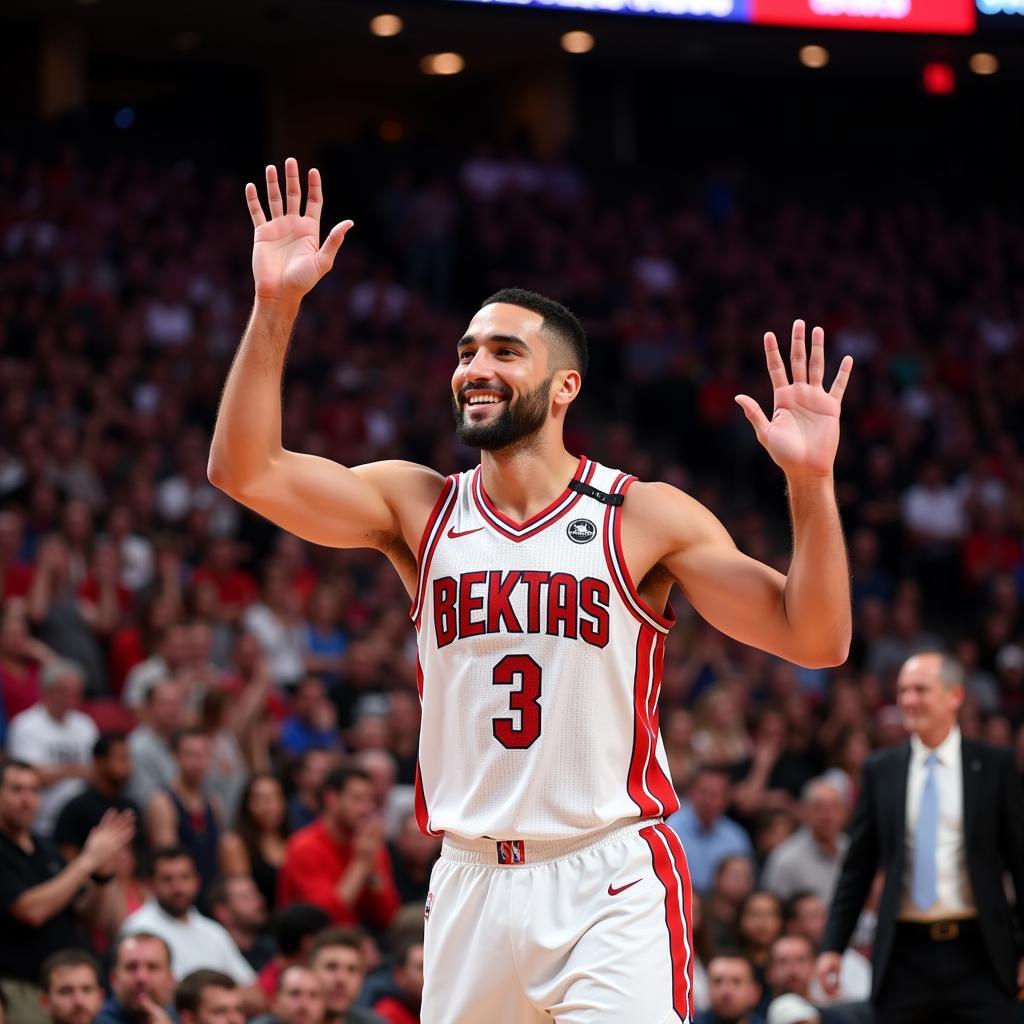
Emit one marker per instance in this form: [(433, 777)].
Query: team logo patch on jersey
[(511, 851), (581, 531), (428, 906)]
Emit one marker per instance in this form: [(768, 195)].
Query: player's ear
[(567, 387)]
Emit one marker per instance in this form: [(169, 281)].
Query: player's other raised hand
[(803, 434), (287, 257)]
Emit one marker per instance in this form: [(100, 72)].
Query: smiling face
[(511, 375)]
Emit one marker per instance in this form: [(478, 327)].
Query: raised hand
[(287, 257), (114, 832), (803, 433)]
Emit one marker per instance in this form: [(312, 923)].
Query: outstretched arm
[(315, 498), (805, 616)]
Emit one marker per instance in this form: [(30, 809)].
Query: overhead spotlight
[(577, 42), (386, 25), (813, 56), (984, 63), (442, 64)]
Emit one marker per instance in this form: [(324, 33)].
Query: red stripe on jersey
[(420, 803), (431, 535), (658, 781), (519, 532), (677, 920), (642, 739), (666, 620)]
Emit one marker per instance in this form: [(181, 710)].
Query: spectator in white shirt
[(195, 941), (56, 739)]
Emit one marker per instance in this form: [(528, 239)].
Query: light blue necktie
[(924, 887)]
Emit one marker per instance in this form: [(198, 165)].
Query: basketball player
[(539, 585)]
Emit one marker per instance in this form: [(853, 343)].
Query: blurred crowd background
[(252, 698)]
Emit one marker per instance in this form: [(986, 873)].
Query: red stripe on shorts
[(670, 869)]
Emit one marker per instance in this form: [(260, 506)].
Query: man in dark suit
[(943, 817)]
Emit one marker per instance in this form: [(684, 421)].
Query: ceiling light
[(386, 25), (984, 63), (442, 64), (813, 56), (577, 42)]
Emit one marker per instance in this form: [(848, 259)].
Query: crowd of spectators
[(221, 721)]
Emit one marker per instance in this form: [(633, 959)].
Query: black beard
[(518, 421)]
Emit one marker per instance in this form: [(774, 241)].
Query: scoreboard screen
[(950, 17)]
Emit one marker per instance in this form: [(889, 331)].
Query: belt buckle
[(511, 851), (943, 931)]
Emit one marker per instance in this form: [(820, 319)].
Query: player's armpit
[(326, 503)]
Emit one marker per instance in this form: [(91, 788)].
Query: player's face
[(501, 388), (74, 995)]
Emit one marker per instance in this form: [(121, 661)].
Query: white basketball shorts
[(587, 931)]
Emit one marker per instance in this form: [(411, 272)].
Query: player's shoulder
[(664, 508), (400, 480)]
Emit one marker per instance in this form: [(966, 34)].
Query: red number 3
[(523, 700)]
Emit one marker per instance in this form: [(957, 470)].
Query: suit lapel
[(970, 763), (898, 797)]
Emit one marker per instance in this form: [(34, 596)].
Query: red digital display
[(946, 16)]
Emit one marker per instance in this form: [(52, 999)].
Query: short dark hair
[(169, 853), (404, 947), (67, 958), (189, 993), (735, 954), (106, 742), (23, 766), (558, 320), (791, 906), (338, 778), (218, 889), (350, 938), (186, 734), (293, 924), (115, 951)]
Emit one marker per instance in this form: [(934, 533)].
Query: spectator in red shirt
[(402, 1005), (341, 862), (236, 587)]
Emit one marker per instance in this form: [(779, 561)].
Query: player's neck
[(523, 481)]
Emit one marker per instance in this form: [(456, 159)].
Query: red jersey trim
[(646, 783), (518, 532), (439, 516), (670, 867), (617, 565)]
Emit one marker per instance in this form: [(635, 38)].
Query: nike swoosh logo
[(621, 888), (462, 533)]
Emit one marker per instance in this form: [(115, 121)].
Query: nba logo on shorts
[(427, 906), (511, 851)]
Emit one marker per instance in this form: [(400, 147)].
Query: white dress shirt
[(955, 898)]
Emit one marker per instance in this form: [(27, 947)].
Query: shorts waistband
[(516, 853)]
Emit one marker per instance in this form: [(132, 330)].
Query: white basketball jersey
[(539, 668)]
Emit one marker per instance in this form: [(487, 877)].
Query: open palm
[(287, 257), (803, 434)]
